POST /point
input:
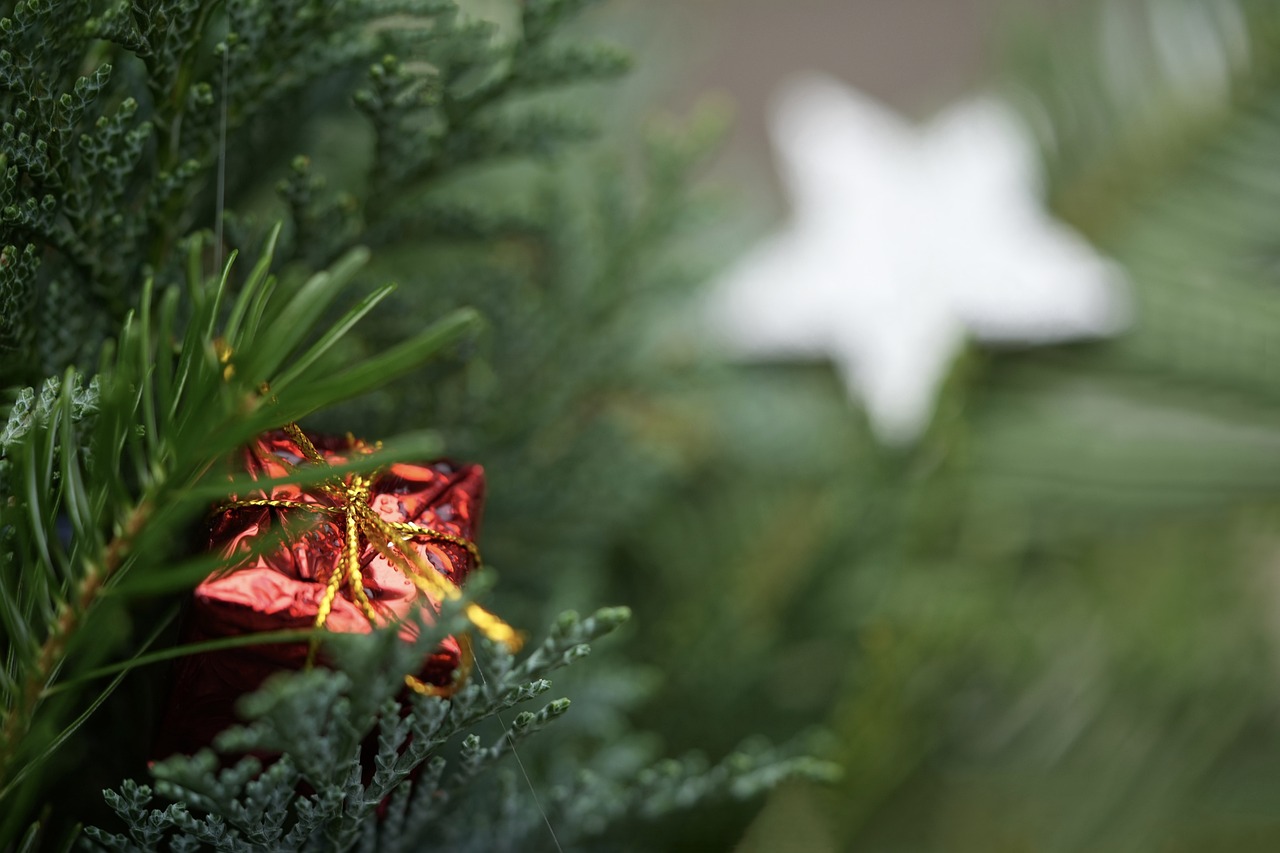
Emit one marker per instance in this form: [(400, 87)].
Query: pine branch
[(146, 466)]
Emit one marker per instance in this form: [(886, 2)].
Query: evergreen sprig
[(322, 723), (103, 172), (330, 790), (98, 502)]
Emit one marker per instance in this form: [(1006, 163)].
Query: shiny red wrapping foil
[(282, 589)]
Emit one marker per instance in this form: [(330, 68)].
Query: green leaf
[(291, 325), (381, 369), (239, 641), (332, 336), (255, 291)]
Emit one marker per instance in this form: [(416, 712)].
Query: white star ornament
[(905, 241)]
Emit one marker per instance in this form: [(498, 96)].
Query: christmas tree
[(1042, 620)]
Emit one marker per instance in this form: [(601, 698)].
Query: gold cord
[(393, 541)]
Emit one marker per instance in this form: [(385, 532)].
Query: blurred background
[(1047, 620), (914, 57)]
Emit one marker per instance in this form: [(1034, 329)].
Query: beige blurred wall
[(915, 55)]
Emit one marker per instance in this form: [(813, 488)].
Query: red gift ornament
[(370, 549)]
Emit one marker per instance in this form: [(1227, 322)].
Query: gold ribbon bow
[(390, 539)]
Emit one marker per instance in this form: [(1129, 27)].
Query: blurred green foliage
[(1049, 625)]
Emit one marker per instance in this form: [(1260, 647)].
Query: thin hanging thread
[(525, 773), (221, 200)]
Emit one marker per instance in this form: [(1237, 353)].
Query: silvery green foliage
[(362, 767), (31, 407), (321, 722)]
